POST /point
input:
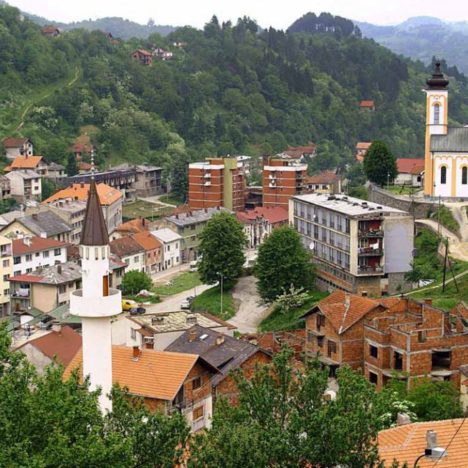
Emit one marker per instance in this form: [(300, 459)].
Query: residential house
[(84, 167), (59, 345), (110, 198), (407, 443), (367, 105), (7, 218), (30, 253), (130, 252), (167, 382), (414, 340), (357, 246), (361, 149), (6, 257), (55, 171), (50, 31), (158, 331), (128, 228), (148, 180), (189, 226), (17, 147), (43, 224), (260, 222), (5, 187), (324, 182), (223, 352), (33, 163), (410, 172), (25, 185), (171, 244), (300, 153), (45, 288), (117, 271), (142, 56), (153, 251), (335, 329)]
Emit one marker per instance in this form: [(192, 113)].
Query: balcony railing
[(370, 269), (370, 252), (371, 233)]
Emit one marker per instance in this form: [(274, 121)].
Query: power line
[(451, 440)]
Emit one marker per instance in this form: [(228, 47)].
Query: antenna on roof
[(93, 167)]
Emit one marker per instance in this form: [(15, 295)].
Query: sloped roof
[(147, 240), (367, 103), (273, 214), (142, 52), (62, 345), (410, 165), (456, 140), (94, 230), (12, 142), (134, 226), (166, 235), (156, 374), (107, 195), (324, 177), (35, 244), (44, 222), (363, 145), (343, 310), (51, 275), (26, 162), (406, 443), (125, 246)]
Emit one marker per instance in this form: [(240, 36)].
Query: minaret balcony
[(96, 307)]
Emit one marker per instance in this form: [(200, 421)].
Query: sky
[(276, 13)]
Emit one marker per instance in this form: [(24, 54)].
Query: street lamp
[(431, 452)]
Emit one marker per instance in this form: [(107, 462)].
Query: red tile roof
[(325, 177), (25, 162), (273, 214), (107, 195), (142, 52), (62, 345), (25, 279), (406, 443), (341, 314), (363, 145), (35, 244), (125, 246), (147, 240), (297, 152), (11, 142), (134, 226), (410, 165), (367, 104)]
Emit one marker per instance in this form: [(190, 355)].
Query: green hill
[(230, 89)]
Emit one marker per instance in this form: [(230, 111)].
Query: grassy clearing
[(170, 199), (277, 321), (210, 301), (144, 209), (185, 281), (402, 189), (446, 219)]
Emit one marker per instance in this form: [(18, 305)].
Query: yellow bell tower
[(436, 122)]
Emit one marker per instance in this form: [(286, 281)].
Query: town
[(269, 288)]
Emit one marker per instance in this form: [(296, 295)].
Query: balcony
[(369, 270), (21, 293), (106, 306), (370, 252), (371, 233)]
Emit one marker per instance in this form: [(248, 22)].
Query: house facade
[(25, 185), (410, 172), (153, 251), (130, 252), (6, 259), (17, 147), (171, 243)]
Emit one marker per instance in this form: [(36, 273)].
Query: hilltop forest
[(231, 89)]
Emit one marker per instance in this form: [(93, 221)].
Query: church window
[(464, 175), (443, 175), (436, 114)]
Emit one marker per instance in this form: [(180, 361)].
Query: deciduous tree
[(380, 164), (134, 281)]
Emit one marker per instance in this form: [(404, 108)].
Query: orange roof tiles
[(134, 226), (25, 162), (156, 374), (107, 195), (367, 104), (406, 443), (410, 165), (35, 244), (324, 177), (273, 214), (363, 145), (343, 315), (62, 345), (147, 240)]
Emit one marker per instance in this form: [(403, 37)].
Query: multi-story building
[(25, 185), (361, 150), (110, 198), (147, 181), (414, 340), (130, 252), (189, 226), (282, 179), (356, 245), (17, 147), (5, 187), (153, 248), (30, 253), (217, 182), (33, 163), (6, 259), (171, 243), (324, 182)]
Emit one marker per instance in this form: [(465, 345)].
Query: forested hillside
[(230, 89)]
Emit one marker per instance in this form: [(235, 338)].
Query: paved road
[(172, 303), (251, 311)]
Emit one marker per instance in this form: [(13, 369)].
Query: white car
[(187, 303)]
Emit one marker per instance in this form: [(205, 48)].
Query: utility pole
[(221, 294), (438, 217), (388, 180), (445, 264)]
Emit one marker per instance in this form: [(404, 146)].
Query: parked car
[(193, 266), (187, 303), (129, 305)]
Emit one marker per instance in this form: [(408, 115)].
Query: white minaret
[(96, 303)]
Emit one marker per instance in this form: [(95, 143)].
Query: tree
[(222, 243), (49, 187), (134, 281), (380, 164), (282, 419), (72, 167), (282, 263)]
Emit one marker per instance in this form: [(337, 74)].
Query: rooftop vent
[(156, 320), (203, 337)]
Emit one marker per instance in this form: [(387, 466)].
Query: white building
[(25, 185), (30, 253), (17, 147), (171, 244), (130, 252)]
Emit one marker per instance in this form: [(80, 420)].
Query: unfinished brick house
[(335, 329), (412, 340)]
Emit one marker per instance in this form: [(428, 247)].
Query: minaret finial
[(93, 167)]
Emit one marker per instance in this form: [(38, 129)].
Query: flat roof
[(349, 206)]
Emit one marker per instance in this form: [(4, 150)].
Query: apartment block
[(217, 182), (414, 340), (358, 246), (283, 178)]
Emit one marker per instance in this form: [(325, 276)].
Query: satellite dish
[(312, 246)]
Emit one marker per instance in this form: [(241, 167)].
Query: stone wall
[(416, 207)]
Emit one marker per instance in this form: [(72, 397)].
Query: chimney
[(192, 336), (27, 241), (136, 353), (56, 326), (59, 269), (219, 340)]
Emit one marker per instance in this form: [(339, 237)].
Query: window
[(320, 321), (28, 270), (133, 333), (57, 252), (6, 263), (17, 273), (373, 378), (28, 257), (5, 277), (373, 351), (196, 383), (421, 336), (62, 288), (198, 413), (6, 292), (331, 348), (16, 260), (464, 175), (443, 175), (136, 259), (436, 114), (319, 341), (45, 254), (37, 254)]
